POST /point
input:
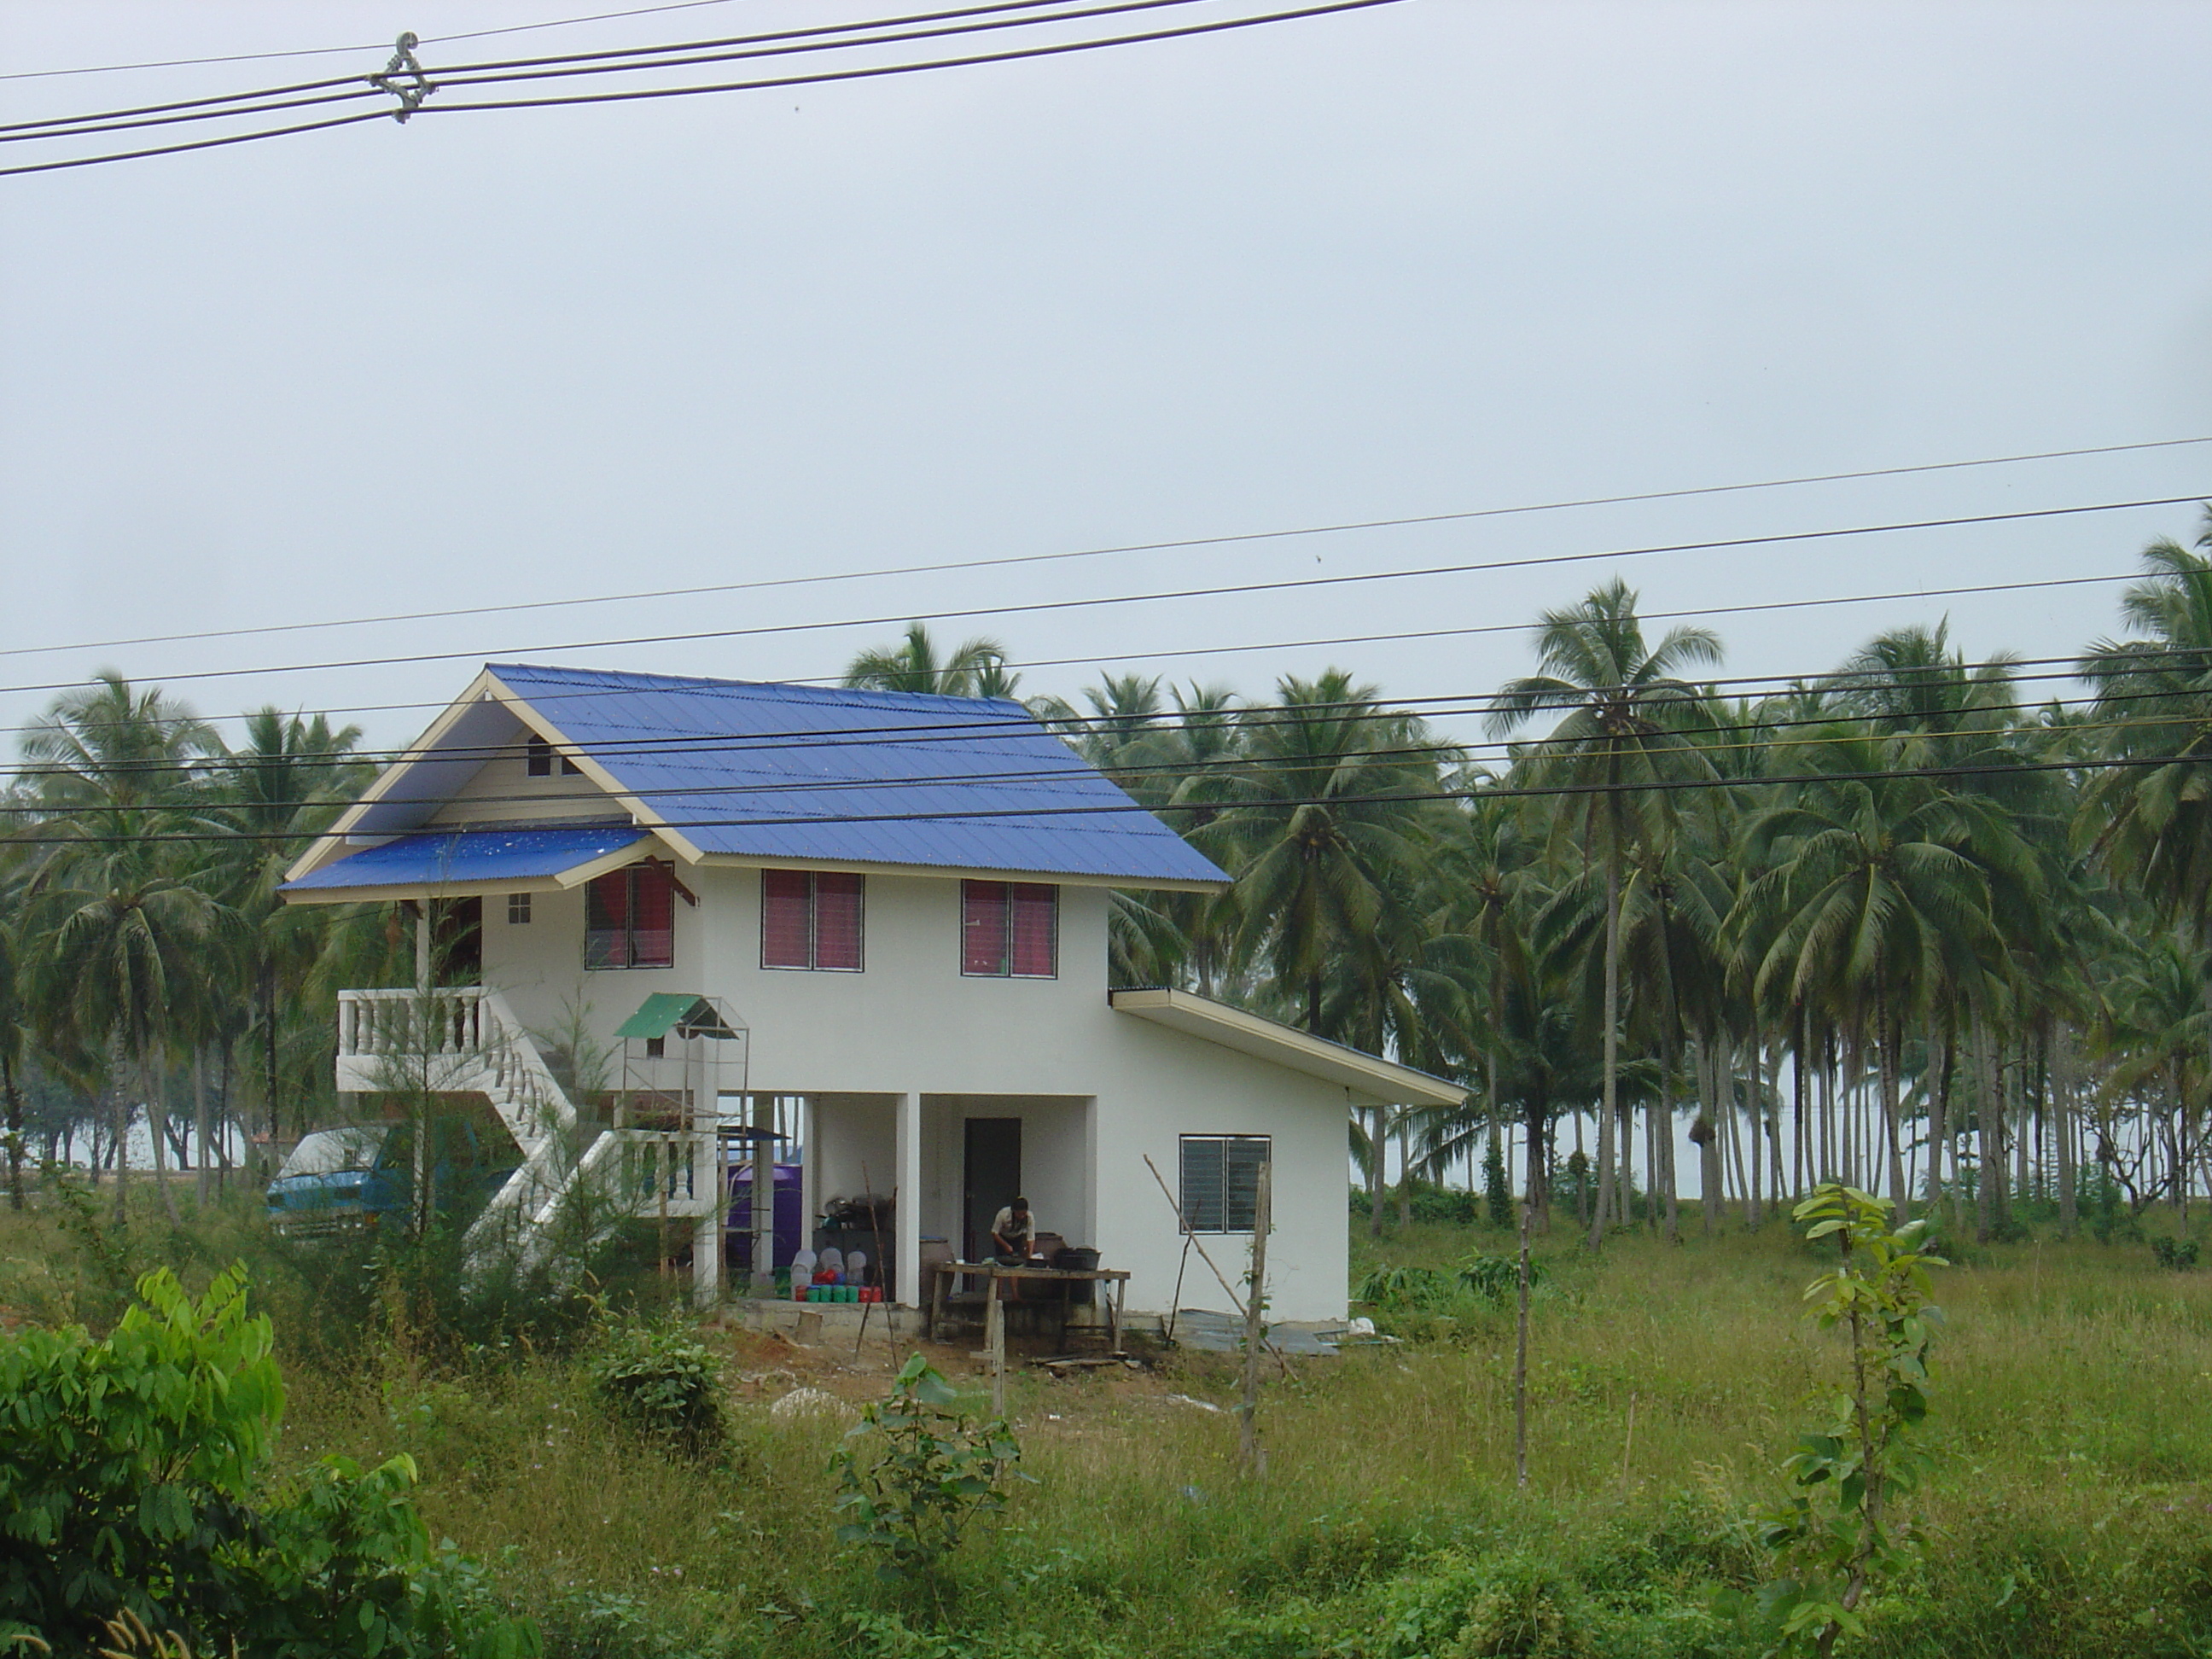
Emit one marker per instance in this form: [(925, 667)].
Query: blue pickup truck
[(357, 1174)]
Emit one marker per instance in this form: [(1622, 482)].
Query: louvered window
[(810, 918), (1221, 1181), (1009, 929), (629, 919)]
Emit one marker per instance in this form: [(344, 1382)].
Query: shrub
[(935, 1469), (664, 1381), (2179, 1253), (129, 1475)]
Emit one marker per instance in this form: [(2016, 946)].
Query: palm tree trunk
[(157, 1127), (1987, 1141), (1612, 1093), (2062, 1102), (200, 1171), (119, 1071), (14, 1129), (1376, 1140), (1405, 1170), (1536, 1162), (1889, 1040)]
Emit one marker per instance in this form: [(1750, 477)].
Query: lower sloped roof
[(1366, 1075), (461, 859)]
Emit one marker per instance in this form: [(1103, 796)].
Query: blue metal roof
[(806, 773), (439, 858)]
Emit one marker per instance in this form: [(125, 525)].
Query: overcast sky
[(1430, 257)]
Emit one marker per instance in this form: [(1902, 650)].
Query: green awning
[(684, 1013)]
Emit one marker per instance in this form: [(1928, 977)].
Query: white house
[(895, 908)]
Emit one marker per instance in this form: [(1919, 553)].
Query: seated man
[(1012, 1231)]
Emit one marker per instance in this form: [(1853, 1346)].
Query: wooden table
[(947, 1271)]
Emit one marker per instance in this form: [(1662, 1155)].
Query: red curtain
[(606, 921), (983, 927), (837, 921), (784, 918), (652, 917), (1037, 930)]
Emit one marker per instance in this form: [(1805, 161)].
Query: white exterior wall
[(1097, 1090)]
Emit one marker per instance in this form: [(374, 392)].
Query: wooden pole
[(994, 1345), (1521, 1367), (1236, 1301), (1255, 1456)]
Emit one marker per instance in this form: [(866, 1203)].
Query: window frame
[(517, 910), (627, 932), (1190, 1206), (1009, 897), (538, 755), (814, 964)]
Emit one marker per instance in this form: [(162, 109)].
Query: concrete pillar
[(905, 1266), (707, 1183)]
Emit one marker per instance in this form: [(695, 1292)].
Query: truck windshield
[(326, 1152)]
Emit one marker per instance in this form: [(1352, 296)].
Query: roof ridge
[(862, 695)]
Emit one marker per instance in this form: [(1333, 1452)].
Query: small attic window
[(540, 762)]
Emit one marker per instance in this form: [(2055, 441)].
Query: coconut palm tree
[(118, 911), (1880, 892), (1622, 705), (282, 786), (1319, 828), (975, 668)]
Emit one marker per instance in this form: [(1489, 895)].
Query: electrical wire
[(1178, 544), (374, 45), (1485, 791), (1214, 591), (1244, 720), (871, 72), (688, 686), (1003, 14)]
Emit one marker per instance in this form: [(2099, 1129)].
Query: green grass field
[(2070, 1514)]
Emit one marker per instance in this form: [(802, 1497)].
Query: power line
[(821, 77), (1245, 719), (1483, 792), (2009, 664), (1178, 544), (1002, 14), (374, 45), (1217, 590)]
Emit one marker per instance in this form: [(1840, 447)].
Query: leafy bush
[(1497, 1279), (935, 1470), (129, 1475), (663, 1380), (2179, 1253), (1405, 1289)]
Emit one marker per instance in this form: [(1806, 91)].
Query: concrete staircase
[(465, 1040)]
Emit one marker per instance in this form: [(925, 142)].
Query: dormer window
[(810, 918), (538, 763), (1009, 929)]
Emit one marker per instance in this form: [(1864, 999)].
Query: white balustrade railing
[(462, 1038)]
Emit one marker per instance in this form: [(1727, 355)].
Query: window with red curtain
[(1036, 931), (810, 918), (1009, 929), (606, 921), (652, 917), (629, 919), (983, 927), (837, 921), (786, 919)]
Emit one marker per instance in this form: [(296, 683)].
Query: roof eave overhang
[(1367, 1076), (942, 872), (339, 840)]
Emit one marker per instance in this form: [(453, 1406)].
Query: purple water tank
[(788, 1227)]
